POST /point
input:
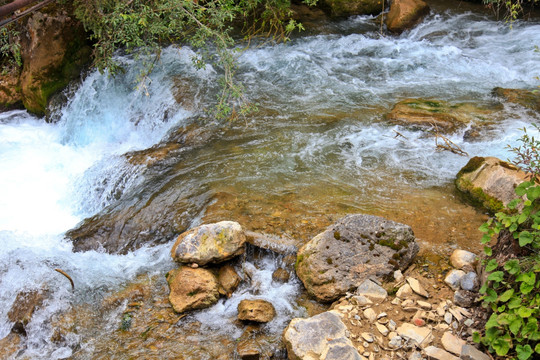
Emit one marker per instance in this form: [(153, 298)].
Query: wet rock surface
[(192, 289), (527, 98), (404, 14), (210, 243), (489, 182), (352, 250), (351, 7), (256, 310), (228, 280)]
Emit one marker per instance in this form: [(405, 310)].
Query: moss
[(507, 165), (404, 244), (478, 197), (371, 247), (473, 164), (396, 256), (426, 105), (394, 263), (337, 235), (299, 259), (329, 261), (391, 244)]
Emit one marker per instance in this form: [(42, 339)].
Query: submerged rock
[(320, 337), (404, 14), (352, 250), (434, 114), (9, 345), (281, 275), (192, 289), (526, 98), (489, 182), (352, 7), (210, 244), (23, 308), (256, 310)]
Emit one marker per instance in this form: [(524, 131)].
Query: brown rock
[(404, 14), (228, 280), (256, 310), (23, 308), (489, 182), (280, 275), (352, 7), (428, 114), (248, 349), (192, 289), (526, 98), (10, 95), (9, 345), (211, 243)]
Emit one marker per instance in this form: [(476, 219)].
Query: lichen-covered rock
[(352, 7), (228, 280), (211, 243), (523, 97), (352, 250), (320, 337), (404, 14), (489, 182), (192, 289), (256, 310), (435, 114)]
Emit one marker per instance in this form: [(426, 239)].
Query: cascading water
[(318, 149)]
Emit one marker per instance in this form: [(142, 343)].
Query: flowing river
[(318, 148)]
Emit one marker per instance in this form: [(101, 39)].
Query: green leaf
[(528, 278), (526, 288), (524, 352), (537, 348), (515, 325), (521, 189), (525, 238), (533, 193), (506, 295), (524, 312), (476, 337), (492, 322), (492, 265), (531, 327), (522, 218), (484, 227), (491, 296), (512, 266), (501, 346), (514, 303), (488, 251), (485, 239), (497, 276)]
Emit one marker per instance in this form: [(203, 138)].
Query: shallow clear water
[(318, 149)]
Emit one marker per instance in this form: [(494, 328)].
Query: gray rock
[(464, 298), (370, 315), (321, 334), (439, 354), (469, 281), (211, 243), (371, 290), (395, 341), (417, 287), (355, 248), (469, 352), (462, 258), (453, 278), (404, 291), (421, 335), (398, 276)]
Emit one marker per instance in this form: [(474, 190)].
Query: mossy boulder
[(209, 244), (341, 8), (489, 182), (355, 248), (192, 289), (404, 14), (435, 114), (527, 98)]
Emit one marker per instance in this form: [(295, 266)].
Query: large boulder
[(211, 243), (404, 14), (489, 182), (352, 7), (440, 115), (523, 97), (256, 310), (352, 250), (192, 289), (54, 49), (323, 336)]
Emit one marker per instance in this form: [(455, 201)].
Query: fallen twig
[(66, 275)]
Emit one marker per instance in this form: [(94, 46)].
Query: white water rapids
[(55, 175)]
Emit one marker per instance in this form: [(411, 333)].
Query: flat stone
[(462, 258), (408, 303), (469, 352), (248, 349), (370, 315), (256, 310), (368, 337), (382, 329), (361, 300), (424, 305), (455, 313), (439, 354), (417, 287), (452, 343), (448, 317), (421, 335), (453, 279), (324, 333), (371, 290), (404, 292)]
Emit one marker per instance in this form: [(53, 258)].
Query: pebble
[(448, 318), (407, 303), (396, 301), (392, 325), (424, 305), (452, 343), (381, 315), (469, 322), (453, 279), (416, 287), (368, 337), (405, 291), (395, 341), (469, 281), (382, 329), (398, 276), (370, 315)]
